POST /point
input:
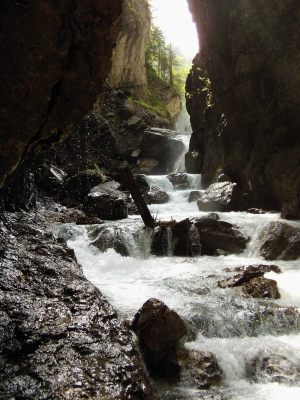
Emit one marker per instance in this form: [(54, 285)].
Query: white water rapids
[(225, 323)]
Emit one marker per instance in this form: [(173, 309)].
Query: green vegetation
[(163, 60)]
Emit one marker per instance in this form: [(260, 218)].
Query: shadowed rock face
[(243, 97), (51, 70)]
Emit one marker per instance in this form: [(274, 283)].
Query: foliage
[(167, 63)]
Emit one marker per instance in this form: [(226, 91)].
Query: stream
[(224, 322)]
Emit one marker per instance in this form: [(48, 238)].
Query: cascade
[(236, 329)]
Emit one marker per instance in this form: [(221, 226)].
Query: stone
[(79, 185), (255, 211), (261, 288), (266, 367), (223, 196), (156, 195), (179, 239), (160, 331), (142, 183), (194, 196), (57, 331), (279, 241), (290, 211), (216, 234), (113, 237), (163, 146), (237, 128), (180, 181), (199, 369), (223, 178), (248, 272), (104, 206)]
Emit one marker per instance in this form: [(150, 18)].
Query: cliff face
[(128, 70), (243, 97), (51, 70)]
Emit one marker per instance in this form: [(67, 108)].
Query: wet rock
[(222, 235), (255, 211), (105, 206), (180, 239), (261, 288), (267, 367), (279, 241), (113, 237), (180, 181), (51, 179), (163, 146), (194, 196), (248, 272), (156, 195), (105, 201), (290, 211), (199, 369), (193, 162), (68, 215), (58, 336), (223, 196), (127, 110), (160, 331), (79, 185)]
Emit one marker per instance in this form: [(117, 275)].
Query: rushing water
[(225, 323)]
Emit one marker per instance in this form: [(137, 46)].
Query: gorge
[(73, 94)]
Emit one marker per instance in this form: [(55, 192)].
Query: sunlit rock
[(223, 196), (279, 241), (261, 288)]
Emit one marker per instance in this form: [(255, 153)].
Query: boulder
[(261, 288), (222, 235), (255, 211), (156, 195), (222, 196), (179, 239), (194, 196), (180, 181), (290, 211), (200, 369), (105, 201), (164, 146), (113, 237), (279, 241), (51, 179), (104, 206), (248, 272), (160, 331), (79, 185), (223, 178), (267, 367)]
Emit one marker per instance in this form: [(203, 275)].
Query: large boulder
[(160, 331), (113, 237), (279, 241), (215, 235), (163, 146), (105, 201), (222, 196), (79, 185)]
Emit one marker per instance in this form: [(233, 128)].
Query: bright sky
[(174, 18)]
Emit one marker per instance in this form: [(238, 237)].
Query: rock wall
[(128, 67), (51, 70), (243, 97)]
